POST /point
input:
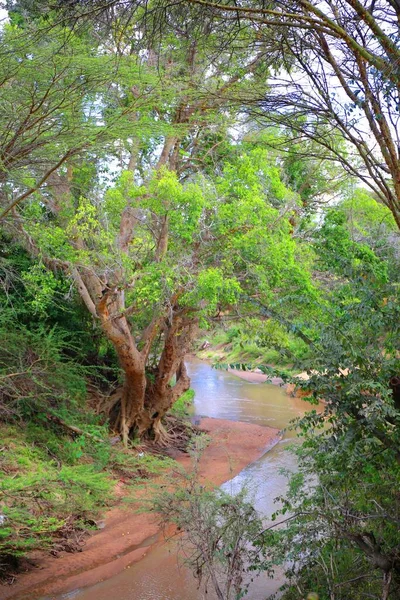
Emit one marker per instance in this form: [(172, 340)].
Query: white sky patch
[(3, 16)]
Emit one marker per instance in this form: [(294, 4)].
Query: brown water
[(222, 395)]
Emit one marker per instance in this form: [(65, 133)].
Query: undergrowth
[(182, 408), (53, 487), (58, 465), (256, 342)]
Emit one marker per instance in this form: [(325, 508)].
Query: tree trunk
[(143, 403), (117, 329), (162, 398), (163, 393)]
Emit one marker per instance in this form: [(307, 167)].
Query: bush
[(40, 496), (222, 533), (182, 407), (35, 373)]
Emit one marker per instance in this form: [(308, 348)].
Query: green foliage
[(308, 174), (41, 285), (215, 233), (46, 122), (366, 215), (50, 483), (337, 251), (30, 311), (371, 223), (342, 533), (39, 497), (257, 342), (344, 498), (53, 482), (183, 407), (35, 374)]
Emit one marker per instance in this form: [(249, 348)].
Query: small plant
[(222, 533), (182, 407)]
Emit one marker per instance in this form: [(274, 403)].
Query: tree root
[(176, 436), (180, 432), (75, 430)]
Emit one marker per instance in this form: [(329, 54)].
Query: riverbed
[(222, 395)]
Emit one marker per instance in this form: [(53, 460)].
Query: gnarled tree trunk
[(142, 402)]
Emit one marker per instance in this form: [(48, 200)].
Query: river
[(222, 395)]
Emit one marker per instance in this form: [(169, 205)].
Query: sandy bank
[(253, 377), (126, 536), (290, 388)]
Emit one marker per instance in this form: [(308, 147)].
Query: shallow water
[(222, 395)]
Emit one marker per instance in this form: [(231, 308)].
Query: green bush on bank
[(58, 469), (256, 341), (50, 484), (39, 494)]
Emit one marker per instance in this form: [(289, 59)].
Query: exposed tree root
[(177, 437), (169, 434), (74, 429), (178, 434)]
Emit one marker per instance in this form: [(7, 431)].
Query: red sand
[(127, 536)]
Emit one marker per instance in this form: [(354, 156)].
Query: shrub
[(39, 496), (182, 407)]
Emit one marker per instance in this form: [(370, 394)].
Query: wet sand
[(128, 536)]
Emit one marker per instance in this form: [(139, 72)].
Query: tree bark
[(143, 402)]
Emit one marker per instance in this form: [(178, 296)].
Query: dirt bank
[(127, 536)]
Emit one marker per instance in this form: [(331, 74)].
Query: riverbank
[(254, 377), (127, 536), (290, 388)]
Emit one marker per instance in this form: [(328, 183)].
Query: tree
[(44, 87), (159, 251), (341, 76), (53, 93), (342, 536), (148, 286), (372, 223)]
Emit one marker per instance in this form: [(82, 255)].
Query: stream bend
[(220, 395)]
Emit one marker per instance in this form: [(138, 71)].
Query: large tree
[(162, 248), (341, 76), (148, 285)]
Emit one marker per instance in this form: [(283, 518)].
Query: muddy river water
[(219, 394)]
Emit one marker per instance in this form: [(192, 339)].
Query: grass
[(39, 495), (183, 407), (54, 487)]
